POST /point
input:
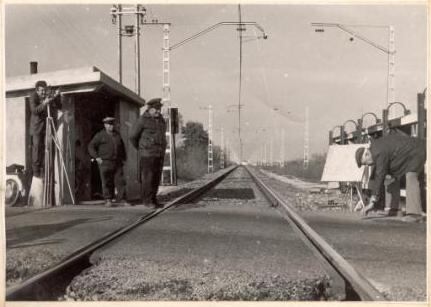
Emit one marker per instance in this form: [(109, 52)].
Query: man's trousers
[(414, 184), (151, 173), (111, 174), (37, 153)]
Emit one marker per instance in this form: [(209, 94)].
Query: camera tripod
[(51, 138)]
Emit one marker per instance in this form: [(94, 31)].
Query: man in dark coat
[(396, 155), (107, 148), (40, 101), (148, 135)]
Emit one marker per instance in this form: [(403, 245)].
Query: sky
[(337, 78)]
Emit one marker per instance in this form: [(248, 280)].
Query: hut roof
[(79, 80)]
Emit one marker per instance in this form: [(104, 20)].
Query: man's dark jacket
[(148, 135), (39, 113), (396, 155), (107, 147)]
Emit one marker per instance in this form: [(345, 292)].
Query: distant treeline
[(192, 157), (192, 152)]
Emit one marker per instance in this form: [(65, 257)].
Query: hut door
[(128, 114)]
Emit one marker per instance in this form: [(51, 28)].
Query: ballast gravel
[(134, 279)]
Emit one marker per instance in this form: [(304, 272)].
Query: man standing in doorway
[(396, 155), (149, 137), (107, 148), (40, 101)]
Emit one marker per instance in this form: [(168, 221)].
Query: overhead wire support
[(215, 26), (390, 50), (241, 26), (355, 34)]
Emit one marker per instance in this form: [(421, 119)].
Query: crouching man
[(396, 155)]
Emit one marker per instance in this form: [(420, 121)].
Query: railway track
[(346, 282)]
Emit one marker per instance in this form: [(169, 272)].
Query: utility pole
[(391, 66), (227, 150), (210, 140), (240, 29), (306, 139), (271, 161), (282, 148), (210, 137), (139, 12), (222, 149)]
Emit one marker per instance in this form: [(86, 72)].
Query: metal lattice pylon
[(222, 150), (391, 66), (282, 153), (306, 139), (169, 175), (210, 142)]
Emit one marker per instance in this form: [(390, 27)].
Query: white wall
[(15, 131)]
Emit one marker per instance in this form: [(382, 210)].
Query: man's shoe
[(126, 204), (413, 218), (158, 206), (154, 206), (148, 205), (395, 212), (108, 203), (122, 203)]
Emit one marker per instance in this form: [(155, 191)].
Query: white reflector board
[(341, 165)]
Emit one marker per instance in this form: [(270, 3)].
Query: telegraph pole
[(139, 12), (282, 148), (222, 149), (240, 29), (210, 137), (306, 139), (210, 141)]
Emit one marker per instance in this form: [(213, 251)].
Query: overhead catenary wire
[(79, 41), (291, 118)]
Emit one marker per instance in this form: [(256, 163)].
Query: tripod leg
[(61, 160), (47, 162)]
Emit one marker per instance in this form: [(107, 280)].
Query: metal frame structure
[(409, 124)]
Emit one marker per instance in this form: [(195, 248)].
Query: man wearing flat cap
[(396, 155), (107, 148), (148, 136), (40, 100)]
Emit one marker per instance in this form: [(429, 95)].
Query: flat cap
[(108, 119), (41, 83), (155, 102), (358, 155)]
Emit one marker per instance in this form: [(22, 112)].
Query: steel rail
[(47, 284), (355, 282)]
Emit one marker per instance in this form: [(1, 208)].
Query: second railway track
[(237, 241)]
